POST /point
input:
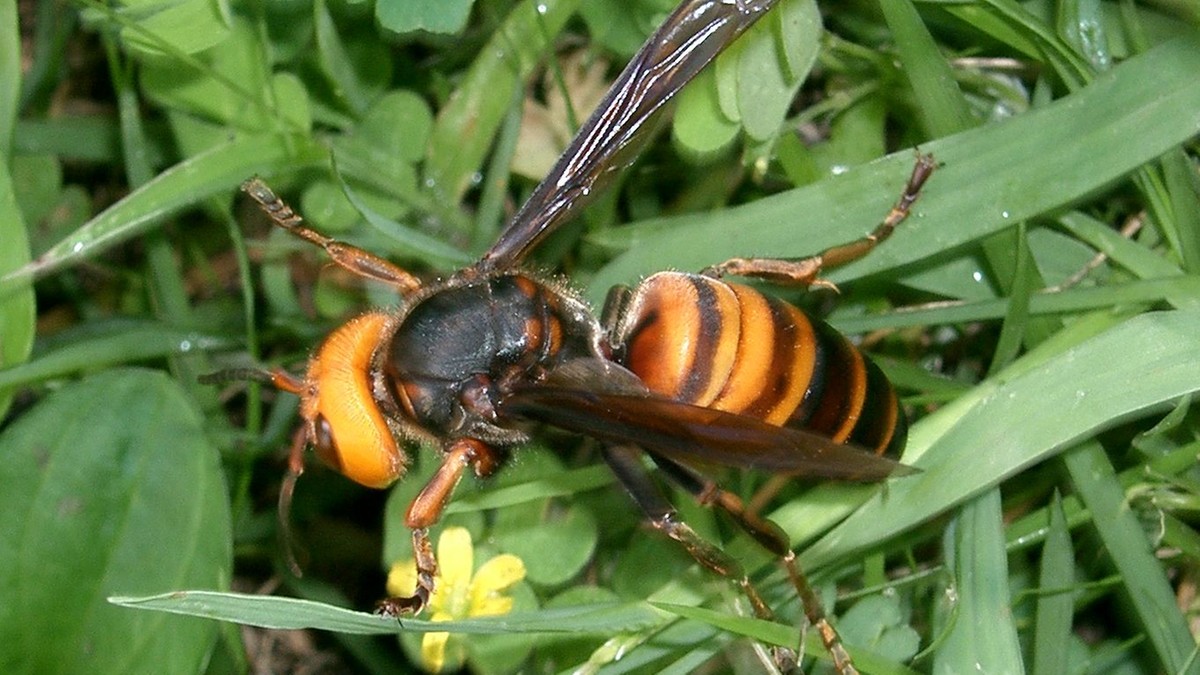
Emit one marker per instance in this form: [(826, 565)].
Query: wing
[(616, 410), (610, 139)]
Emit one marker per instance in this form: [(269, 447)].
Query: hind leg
[(772, 538), (805, 271), (626, 465)]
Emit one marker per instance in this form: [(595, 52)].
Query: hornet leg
[(772, 538), (805, 271), (625, 463)]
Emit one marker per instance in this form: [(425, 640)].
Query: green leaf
[(403, 16), (10, 76), (398, 122), (700, 127), (648, 563), (800, 32), (1183, 291), (38, 180), (108, 486), (943, 107), (560, 484), (981, 636), (777, 634), (326, 208), (1139, 259), (763, 631), (1055, 604), (878, 623), (103, 344), (768, 73), (564, 649), (1011, 251), (291, 101), (225, 85), (554, 549), (187, 26), (1081, 24), (407, 239), (1059, 258), (336, 62), (621, 26), (1028, 32), (753, 83), (555, 542), (17, 308), (857, 135), (1184, 187)]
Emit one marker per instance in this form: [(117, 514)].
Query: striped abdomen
[(726, 346)]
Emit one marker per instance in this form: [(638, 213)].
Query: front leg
[(804, 272), (349, 257), (426, 510)]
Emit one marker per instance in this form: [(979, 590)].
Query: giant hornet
[(686, 367)]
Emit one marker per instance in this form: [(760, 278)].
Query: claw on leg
[(426, 571)]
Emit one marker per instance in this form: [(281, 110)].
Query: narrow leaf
[(982, 637), (1145, 581)]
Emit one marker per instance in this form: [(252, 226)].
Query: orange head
[(341, 412)]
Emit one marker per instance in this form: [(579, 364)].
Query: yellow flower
[(457, 593)]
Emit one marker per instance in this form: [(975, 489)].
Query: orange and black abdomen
[(726, 346)]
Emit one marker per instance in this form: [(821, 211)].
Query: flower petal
[(433, 651), (456, 557), (492, 606), (493, 578), (402, 579), (500, 572)]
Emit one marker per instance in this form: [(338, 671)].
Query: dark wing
[(612, 137), (617, 410)]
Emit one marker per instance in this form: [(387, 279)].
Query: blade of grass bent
[(290, 613), (184, 185)]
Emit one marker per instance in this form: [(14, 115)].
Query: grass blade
[(1148, 588)]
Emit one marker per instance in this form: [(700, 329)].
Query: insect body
[(689, 368), (703, 341), (456, 354)]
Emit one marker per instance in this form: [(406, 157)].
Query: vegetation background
[(1039, 314)]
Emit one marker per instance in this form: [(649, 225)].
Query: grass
[(1038, 314)]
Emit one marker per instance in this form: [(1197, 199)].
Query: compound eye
[(324, 444), (354, 439)]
